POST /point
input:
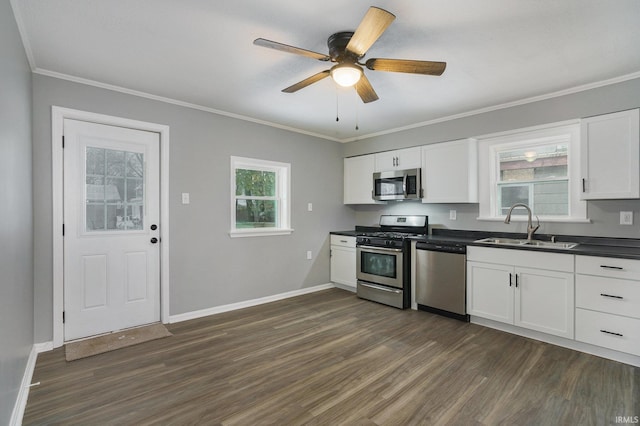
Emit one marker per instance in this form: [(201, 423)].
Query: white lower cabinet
[(343, 260), (509, 286), (608, 303)]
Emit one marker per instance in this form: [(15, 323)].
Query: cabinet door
[(400, 159), (358, 179), (610, 150), (409, 158), (450, 172), (544, 301), (489, 293), (343, 266)]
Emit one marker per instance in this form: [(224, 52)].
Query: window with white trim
[(260, 197), (538, 167)]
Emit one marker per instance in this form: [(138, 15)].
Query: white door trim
[(58, 115)]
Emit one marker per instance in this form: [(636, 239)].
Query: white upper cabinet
[(450, 172), (610, 150), (358, 179), (400, 159)]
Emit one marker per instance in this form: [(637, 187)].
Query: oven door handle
[(379, 287), (380, 249)]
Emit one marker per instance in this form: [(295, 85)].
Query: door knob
[(154, 240)]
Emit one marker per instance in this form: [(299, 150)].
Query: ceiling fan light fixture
[(346, 75)]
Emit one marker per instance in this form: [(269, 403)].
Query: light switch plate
[(626, 218), (453, 215), (185, 198), (309, 255), (310, 207)]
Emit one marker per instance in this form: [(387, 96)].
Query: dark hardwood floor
[(329, 358)]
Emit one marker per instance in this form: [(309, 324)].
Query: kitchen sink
[(527, 243)]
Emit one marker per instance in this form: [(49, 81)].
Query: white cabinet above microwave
[(399, 159)]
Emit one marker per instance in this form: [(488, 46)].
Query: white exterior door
[(111, 221)]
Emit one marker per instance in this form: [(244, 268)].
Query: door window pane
[(95, 217), (114, 189)]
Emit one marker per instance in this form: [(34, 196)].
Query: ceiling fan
[(347, 48)]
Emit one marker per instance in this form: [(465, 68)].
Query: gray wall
[(16, 225), (208, 268), (605, 215)]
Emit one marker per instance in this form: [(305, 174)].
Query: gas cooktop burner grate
[(390, 235)]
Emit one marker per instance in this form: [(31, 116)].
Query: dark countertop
[(624, 248)]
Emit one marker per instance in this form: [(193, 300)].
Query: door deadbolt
[(154, 227)]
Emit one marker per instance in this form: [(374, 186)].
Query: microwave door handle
[(404, 184)]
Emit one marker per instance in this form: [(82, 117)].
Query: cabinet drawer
[(610, 295), (627, 269), (342, 240), (598, 328)]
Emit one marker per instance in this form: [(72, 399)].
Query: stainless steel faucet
[(530, 228)]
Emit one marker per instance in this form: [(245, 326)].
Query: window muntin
[(260, 197)]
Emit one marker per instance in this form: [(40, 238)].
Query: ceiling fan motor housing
[(338, 47)]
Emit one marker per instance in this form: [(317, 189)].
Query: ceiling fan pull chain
[(357, 115), (337, 107)]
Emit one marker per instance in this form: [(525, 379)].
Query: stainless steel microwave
[(397, 185)]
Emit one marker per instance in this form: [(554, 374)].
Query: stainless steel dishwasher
[(441, 284)]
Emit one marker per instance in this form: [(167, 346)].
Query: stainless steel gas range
[(384, 260)]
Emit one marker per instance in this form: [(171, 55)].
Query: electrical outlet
[(452, 215), (185, 198), (626, 218), (309, 255), (310, 207)]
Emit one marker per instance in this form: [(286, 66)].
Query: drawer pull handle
[(611, 296), (611, 332), (343, 241), (612, 267)]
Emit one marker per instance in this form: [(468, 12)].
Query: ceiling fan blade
[(290, 49), (408, 66), (307, 81), (374, 23), (365, 90)]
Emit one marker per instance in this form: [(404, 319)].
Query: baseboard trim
[(25, 385), (43, 347), (246, 304), (560, 341)]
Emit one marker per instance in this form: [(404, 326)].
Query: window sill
[(542, 219), (259, 232)]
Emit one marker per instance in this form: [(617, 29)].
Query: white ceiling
[(200, 53)]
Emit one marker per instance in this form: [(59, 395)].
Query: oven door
[(380, 265)]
